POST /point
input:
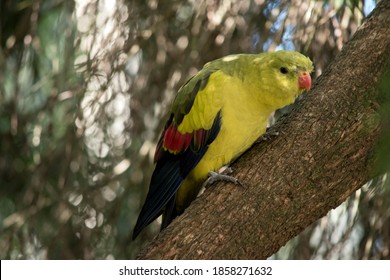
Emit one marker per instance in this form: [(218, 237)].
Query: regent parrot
[(217, 115)]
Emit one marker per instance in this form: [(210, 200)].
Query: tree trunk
[(323, 153)]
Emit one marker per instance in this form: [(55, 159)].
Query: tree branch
[(323, 154)]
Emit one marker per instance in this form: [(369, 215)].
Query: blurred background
[(84, 90)]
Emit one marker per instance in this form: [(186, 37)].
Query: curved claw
[(215, 177)]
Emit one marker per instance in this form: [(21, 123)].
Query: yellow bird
[(217, 115)]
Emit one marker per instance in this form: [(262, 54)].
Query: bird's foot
[(215, 177), (267, 136)]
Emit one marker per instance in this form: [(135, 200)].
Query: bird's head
[(285, 75)]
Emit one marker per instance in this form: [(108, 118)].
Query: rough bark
[(324, 152)]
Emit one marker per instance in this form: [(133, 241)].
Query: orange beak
[(304, 81)]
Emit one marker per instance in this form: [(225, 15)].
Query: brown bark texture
[(324, 152)]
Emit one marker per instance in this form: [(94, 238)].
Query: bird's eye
[(283, 70)]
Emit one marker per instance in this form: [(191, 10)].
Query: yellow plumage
[(216, 116), (233, 138)]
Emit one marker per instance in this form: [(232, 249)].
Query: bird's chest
[(241, 127)]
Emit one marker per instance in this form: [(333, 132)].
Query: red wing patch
[(174, 141)]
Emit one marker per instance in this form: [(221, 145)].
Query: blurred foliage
[(84, 87)]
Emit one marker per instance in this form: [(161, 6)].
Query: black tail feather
[(170, 171)]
